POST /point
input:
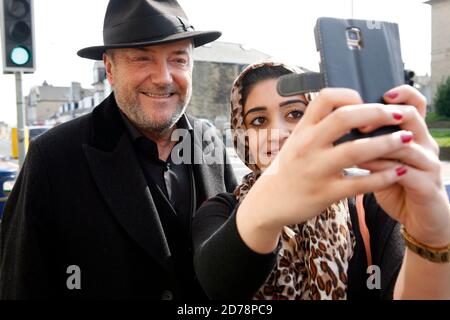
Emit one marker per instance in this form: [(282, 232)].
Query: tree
[(442, 99)]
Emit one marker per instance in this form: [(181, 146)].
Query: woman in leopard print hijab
[(285, 232), (313, 258)]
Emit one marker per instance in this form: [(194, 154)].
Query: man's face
[(153, 84)]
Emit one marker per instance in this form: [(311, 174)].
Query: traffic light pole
[(20, 118), (18, 54)]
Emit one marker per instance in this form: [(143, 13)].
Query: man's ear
[(108, 62)]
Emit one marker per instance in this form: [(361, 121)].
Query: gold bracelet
[(439, 255)]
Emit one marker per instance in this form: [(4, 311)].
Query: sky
[(281, 28)]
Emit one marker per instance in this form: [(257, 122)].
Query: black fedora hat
[(139, 23)]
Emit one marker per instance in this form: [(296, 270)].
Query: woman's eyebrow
[(284, 103), (255, 109)]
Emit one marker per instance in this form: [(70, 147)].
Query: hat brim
[(199, 38)]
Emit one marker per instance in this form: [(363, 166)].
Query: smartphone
[(363, 55)]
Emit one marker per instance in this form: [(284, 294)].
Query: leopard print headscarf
[(313, 258)]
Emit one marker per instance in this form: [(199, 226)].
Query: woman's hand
[(417, 200), (306, 177)]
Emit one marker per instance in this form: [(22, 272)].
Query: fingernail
[(397, 116), (406, 137), (401, 171), (392, 95)]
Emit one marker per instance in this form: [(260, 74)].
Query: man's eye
[(296, 114), (257, 122), (181, 61)]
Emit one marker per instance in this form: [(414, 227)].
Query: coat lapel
[(118, 175), (207, 166)]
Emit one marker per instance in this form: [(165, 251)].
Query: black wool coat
[(82, 207)]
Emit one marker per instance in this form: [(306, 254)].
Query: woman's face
[(269, 120)]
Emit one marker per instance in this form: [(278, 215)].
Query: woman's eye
[(296, 114), (257, 122)]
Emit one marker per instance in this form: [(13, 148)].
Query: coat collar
[(107, 125)]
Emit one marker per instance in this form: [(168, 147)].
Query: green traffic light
[(20, 56)]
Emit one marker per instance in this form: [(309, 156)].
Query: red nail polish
[(406, 137), (392, 95), (397, 116), (401, 171)]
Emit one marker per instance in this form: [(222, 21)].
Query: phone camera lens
[(353, 35)]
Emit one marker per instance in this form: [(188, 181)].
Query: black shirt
[(172, 178)]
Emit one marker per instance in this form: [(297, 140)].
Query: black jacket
[(81, 200)]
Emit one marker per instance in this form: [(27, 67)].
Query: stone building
[(44, 101), (440, 42), (216, 65), (102, 89)]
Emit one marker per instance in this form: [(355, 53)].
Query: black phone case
[(372, 70)]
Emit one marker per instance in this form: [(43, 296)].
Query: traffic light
[(17, 36), (409, 77)]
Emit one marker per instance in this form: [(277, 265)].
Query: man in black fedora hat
[(102, 207)]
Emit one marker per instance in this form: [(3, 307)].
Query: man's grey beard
[(141, 120), (136, 114)]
